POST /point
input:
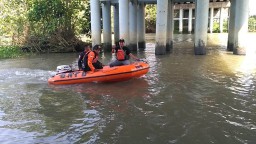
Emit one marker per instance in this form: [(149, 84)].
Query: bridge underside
[(155, 1), (129, 22)]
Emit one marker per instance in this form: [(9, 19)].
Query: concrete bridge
[(129, 22)]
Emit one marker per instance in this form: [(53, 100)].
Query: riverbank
[(10, 52)]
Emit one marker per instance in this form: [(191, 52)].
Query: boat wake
[(25, 75)]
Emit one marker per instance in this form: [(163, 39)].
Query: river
[(183, 99)]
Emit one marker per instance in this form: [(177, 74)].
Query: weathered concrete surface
[(161, 27), (170, 27), (124, 20), (95, 24), (106, 15), (200, 42), (241, 27), (133, 25), (116, 23), (141, 26)]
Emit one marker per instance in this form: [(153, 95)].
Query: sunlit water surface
[(183, 99)]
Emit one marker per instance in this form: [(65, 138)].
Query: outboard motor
[(64, 68)]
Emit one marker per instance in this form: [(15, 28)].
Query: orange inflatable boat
[(107, 74)]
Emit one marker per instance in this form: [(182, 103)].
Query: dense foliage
[(9, 51), (47, 17), (44, 25), (216, 26), (54, 25), (252, 24), (150, 18), (13, 18)]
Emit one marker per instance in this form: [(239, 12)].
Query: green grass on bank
[(10, 52)]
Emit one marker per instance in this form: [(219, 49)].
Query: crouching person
[(82, 55), (91, 62)]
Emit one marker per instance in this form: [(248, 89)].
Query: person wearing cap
[(123, 54), (91, 62)]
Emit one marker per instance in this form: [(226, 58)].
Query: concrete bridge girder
[(174, 1), (211, 5)]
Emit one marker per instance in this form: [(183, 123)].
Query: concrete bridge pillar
[(221, 19), (190, 20), (181, 21), (211, 19), (202, 8), (241, 26), (133, 25), (141, 26), (116, 23), (95, 24), (170, 27), (106, 14), (231, 26), (161, 27), (124, 20)]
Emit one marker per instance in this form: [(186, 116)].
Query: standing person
[(123, 55), (87, 48), (91, 62)]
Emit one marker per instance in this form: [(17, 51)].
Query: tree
[(150, 17), (252, 23), (45, 25), (13, 17)]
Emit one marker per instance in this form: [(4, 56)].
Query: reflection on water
[(183, 99)]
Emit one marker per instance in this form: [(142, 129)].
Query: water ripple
[(183, 99)]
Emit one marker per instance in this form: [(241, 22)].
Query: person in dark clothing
[(87, 48), (123, 55), (91, 62)]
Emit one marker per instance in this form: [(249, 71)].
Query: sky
[(252, 6)]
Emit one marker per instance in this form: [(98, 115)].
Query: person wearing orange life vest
[(123, 54), (87, 49), (91, 62)]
